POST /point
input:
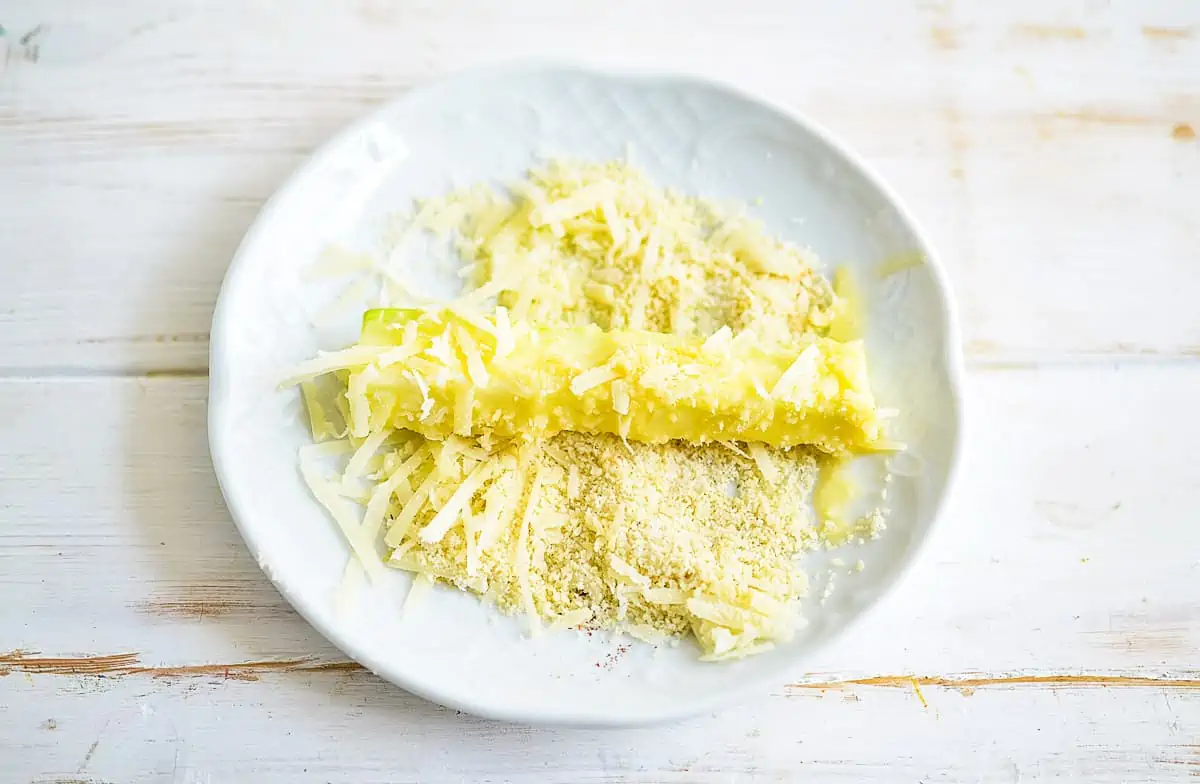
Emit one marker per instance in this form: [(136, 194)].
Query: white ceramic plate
[(703, 138)]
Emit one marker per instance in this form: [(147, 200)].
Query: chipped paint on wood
[(1166, 34), (128, 664), (214, 600), (969, 683), (916, 687), (1046, 32), (249, 671), (242, 92), (944, 37), (1162, 642), (1188, 756), (197, 608), (29, 662), (1164, 632), (1107, 117)]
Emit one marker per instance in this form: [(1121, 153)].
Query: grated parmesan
[(661, 540)]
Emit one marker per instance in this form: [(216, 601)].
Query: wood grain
[(122, 665), (21, 661), (1049, 146), (349, 728), (1101, 655), (1081, 551), (968, 684), (1030, 142)]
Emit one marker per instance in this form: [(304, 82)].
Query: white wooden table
[(1053, 629)]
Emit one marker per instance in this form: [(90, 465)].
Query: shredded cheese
[(355, 357), (620, 397), (448, 515), (407, 514), (571, 619), (569, 525), (343, 514), (462, 411), (761, 459), (594, 377), (381, 496), (476, 370), (573, 480), (521, 557), (358, 463), (318, 421)]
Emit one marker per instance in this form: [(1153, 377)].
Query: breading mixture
[(587, 530)]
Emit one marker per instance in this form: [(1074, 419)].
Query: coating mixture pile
[(590, 529)]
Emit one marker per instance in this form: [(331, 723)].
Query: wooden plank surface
[(1083, 552), (1053, 628), (1055, 618), (1050, 146)]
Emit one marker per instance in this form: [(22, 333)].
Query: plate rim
[(952, 359)]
